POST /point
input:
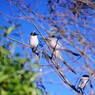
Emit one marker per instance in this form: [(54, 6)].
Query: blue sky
[(53, 84)]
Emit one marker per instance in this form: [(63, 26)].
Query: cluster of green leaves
[(8, 30), (14, 79)]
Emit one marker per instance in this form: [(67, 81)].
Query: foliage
[(14, 79), (7, 30)]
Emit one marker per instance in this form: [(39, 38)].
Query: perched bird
[(57, 55), (82, 83), (34, 41), (55, 44)]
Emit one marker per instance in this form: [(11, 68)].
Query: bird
[(82, 83), (55, 44), (34, 42), (56, 54)]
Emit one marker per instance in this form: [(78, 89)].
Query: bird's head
[(49, 38), (33, 34), (85, 76)]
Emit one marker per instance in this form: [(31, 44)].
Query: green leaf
[(10, 29), (4, 28), (3, 77), (3, 92)]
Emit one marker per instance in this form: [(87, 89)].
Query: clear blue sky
[(53, 84)]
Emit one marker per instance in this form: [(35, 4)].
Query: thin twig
[(16, 40)]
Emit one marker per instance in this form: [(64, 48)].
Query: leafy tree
[(14, 78)]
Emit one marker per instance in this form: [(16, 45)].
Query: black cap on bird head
[(33, 34), (85, 76), (54, 36), (51, 36)]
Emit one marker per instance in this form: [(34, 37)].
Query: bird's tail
[(69, 67), (35, 51), (76, 54), (61, 58)]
